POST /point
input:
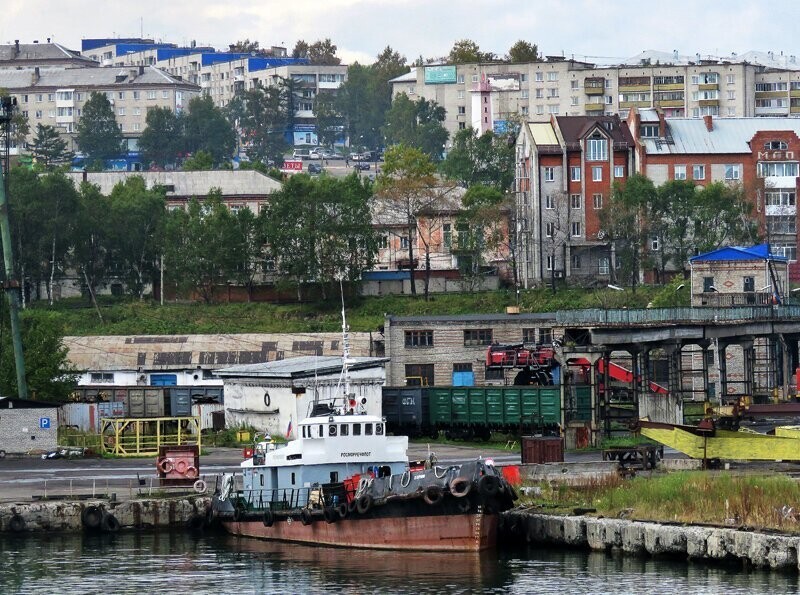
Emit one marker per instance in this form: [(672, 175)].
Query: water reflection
[(181, 563)]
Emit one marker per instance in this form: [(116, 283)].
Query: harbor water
[(220, 564)]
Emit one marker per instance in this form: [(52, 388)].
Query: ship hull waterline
[(452, 533)]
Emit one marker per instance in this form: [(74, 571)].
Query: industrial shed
[(27, 426)]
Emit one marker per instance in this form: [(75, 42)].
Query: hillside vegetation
[(77, 317)]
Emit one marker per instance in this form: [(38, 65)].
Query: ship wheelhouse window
[(356, 429), (332, 430), (292, 478), (334, 477), (368, 429), (378, 429), (261, 477), (321, 431), (343, 430)]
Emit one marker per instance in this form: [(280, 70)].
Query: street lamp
[(615, 287)]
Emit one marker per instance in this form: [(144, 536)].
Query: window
[(102, 377), (552, 76), (707, 78), (165, 94), (121, 111), (344, 429), (550, 262), (649, 130), (576, 261), (619, 171), (575, 173), (419, 338), (552, 92), (733, 171), (460, 79), (603, 267), (573, 100), (780, 198), (786, 250), (523, 78), (731, 95), (596, 149), (136, 94), (775, 145), (137, 111), (418, 375), (575, 201), (367, 429), (481, 336), (680, 172), (698, 172), (524, 110), (777, 168), (731, 78), (549, 174), (597, 174), (404, 243), (38, 114), (609, 101), (654, 244), (462, 125), (771, 87), (474, 78), (540, 76), (462, 110), (539, 93), (357, 428), (573, 84), (540, 109), (462, 367), (137, 127), (553, 109), (748, 284), (597, 201), (461, 94), (549, 229), (708, 283), (576, 229), (524, 94), (151, 94), (39, 98), (549, 202), (529, 335)]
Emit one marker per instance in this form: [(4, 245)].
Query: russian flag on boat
[(289, 429)]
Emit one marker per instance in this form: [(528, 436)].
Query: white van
[(301, 154)]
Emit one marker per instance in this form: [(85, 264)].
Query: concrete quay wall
[(719, 544), (130, 514)]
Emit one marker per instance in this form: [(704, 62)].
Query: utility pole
[(11, 285)]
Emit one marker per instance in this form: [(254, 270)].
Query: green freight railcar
[(481, 410)]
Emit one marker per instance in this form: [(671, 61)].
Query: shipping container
[(146, 402), (542, 449), (403, 408), (78, 416), (180, 401), (111, 409)]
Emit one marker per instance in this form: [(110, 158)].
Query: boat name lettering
[(365, 453)]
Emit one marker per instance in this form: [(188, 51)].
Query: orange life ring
[(191, 472), (166, 465), (180, 467)]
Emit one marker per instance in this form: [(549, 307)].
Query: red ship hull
[(455, 533)]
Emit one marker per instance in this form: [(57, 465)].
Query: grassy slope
[(363, 314)]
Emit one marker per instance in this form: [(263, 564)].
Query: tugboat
[(344, 482)]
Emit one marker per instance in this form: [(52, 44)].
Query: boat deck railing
[(286, 499)]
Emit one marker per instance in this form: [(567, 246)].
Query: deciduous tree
[(207, 129), (466, 51), (162, 139), (262, 116), (487, 160), (98, 134), (417, 124), (522, 52)]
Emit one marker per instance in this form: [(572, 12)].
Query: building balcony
[(772, 111), (594, 85), (633, 104), (595, 107), (708, 87), (670, 87), (633, 88), (669, 103), (708, 102), (334, 85), (794, 93), (300, 113), (795, 109), (773, 94)]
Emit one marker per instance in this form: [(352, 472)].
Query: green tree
[(162, 139), (262, 115), (625, 222), (417, 124), (49, 149), (98, 134), (723, 216), (483, 227), (136, 224), (28, 212), (323, 53), (91, 240), (245, 47), (48, 372), (207, 129), (20, 129), (672, 216), (330, 122), (466, 51), (300, 49), (522, 52), (487, 160), (199, 161)]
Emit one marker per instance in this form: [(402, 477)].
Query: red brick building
[(566, 169), (761, 154)]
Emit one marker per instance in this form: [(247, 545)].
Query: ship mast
[(345, 352)]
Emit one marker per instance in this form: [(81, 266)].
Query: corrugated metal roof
[(61, 78), (729, 135), (543, 133), (299, 367), (188, 183), (210, 352), (526, 317), (728, 253)]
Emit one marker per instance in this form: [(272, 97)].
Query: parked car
[(361, 165), (314, 168)]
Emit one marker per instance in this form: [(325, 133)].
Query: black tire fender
[(489, 485), (305, 517), (342, 510), (238, 511), (91, 517), (364, 503), (110, 524), (351, 506), (16, 523), (460, 487), (433, 495), (330, 514), (268, 518)]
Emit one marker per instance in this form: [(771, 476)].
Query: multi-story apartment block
[(762, 154), (56, 96), (485, 96), (566, 169), (222, 75), (49, 55)]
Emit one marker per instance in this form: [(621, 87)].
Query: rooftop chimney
[(48, 40), (16, 47), (35, 75), (709, 123), (662, 123)]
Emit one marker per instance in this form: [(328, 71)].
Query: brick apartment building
[(566, 169)]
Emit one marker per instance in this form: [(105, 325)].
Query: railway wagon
[(467, 412)]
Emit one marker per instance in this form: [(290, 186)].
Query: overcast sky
[(596, 29)]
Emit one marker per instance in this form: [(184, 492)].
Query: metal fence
[(705, 315)]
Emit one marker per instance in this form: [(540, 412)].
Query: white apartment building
[(56, 97), (485, 96)]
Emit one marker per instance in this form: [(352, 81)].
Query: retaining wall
[(130, 514), (759, 550)]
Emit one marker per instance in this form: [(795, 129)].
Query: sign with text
[(292, 166), (435, 75), (44, 423)]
